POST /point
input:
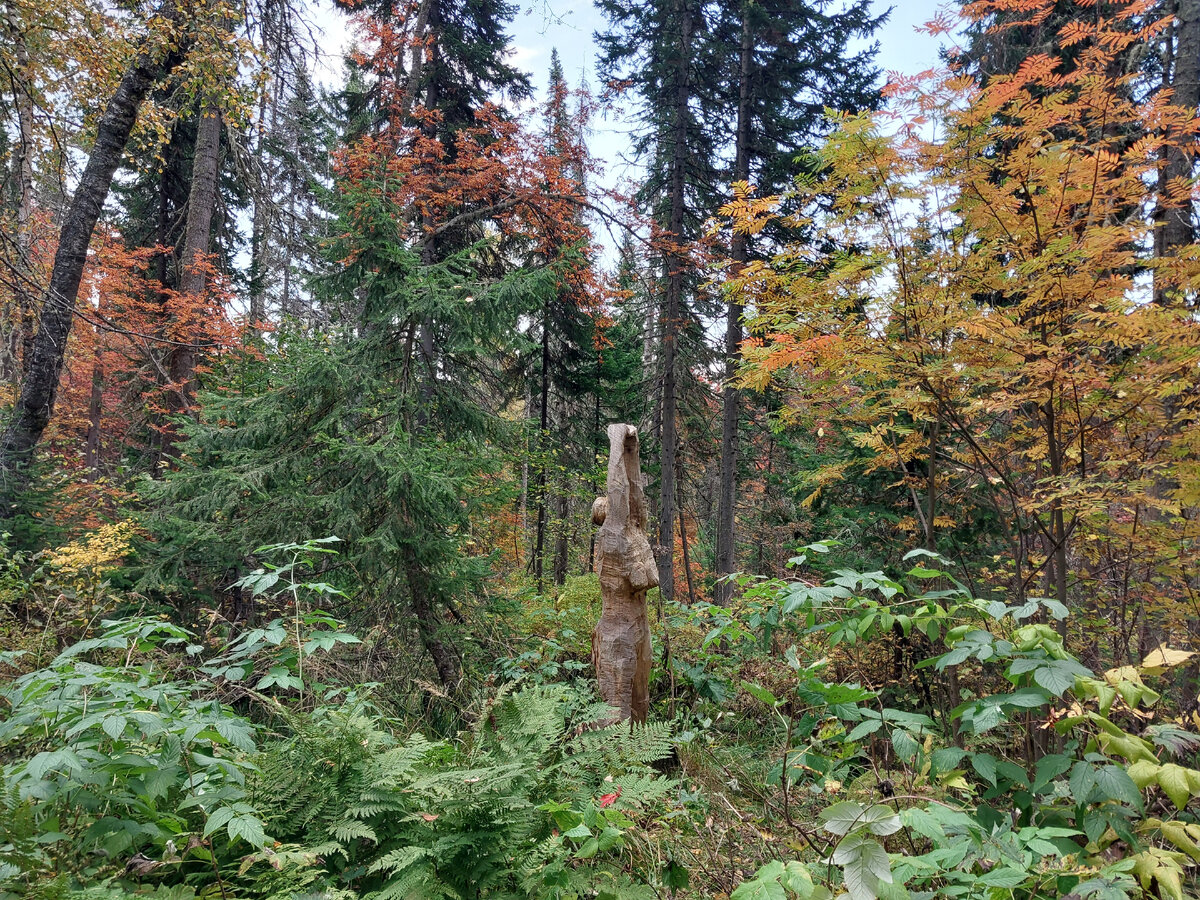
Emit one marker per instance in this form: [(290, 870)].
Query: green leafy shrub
[(1057, 783), (135, 754)]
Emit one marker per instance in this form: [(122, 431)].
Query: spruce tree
[(794, 61), (566, 333), (662, 49)]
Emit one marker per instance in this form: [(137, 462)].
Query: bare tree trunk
[(416, 67), (543, 444), (931, 496), (625, 564), (1058, 530), (562, 513), (687, 562), (676, 265), (524, 502), (591, 565), (91, 448), (19, 341), (36, 402), (445, 661), (263, 222), (286, 306), (202, 201), (739, 251)]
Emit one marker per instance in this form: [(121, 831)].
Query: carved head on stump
[(627, 569)]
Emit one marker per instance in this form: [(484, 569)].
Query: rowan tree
[(795, 60), (994, 348)]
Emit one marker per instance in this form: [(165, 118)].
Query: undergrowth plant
[(150, 756), (1047, 779), (532, 803)]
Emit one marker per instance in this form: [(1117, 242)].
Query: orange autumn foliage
[(992, 339), (113, 393)]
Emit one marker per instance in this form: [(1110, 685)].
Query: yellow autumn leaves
[(84, 563)]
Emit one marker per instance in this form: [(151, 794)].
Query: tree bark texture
[(445, 660), (739, 251), (202, 201), (626, 567), (672, 307), (19, 341), (36, 402), (1174, 219)]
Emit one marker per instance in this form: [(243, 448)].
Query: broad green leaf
[(863, 729), (864, 864), (217, 819), (797, 879), (1179, 834), (1083, 781), (1057, 609), (985, 765), (760, 693), (881, 820), (1116, 784), (249, 828), (906, 746), (1058, 675), (114, 726), (842, 817), (1144, 773), (1162, 867), (922, 822), (1048, 768), (1174, 781), (764, 886), (1004, 877)]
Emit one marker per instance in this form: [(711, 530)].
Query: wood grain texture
[(627, 570)]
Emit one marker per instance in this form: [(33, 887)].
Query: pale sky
[(569, 25)]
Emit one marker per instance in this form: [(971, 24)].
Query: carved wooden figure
[(627, 569)]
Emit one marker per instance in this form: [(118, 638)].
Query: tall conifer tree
[(794, 61), (663, 50)]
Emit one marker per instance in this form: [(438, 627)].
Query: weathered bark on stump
[(627, 569)]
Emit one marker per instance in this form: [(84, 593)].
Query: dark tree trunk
[(202, 201), (562, 512), (687, 562), (591, 566), (36, 402), (265, 221), (91, 448), (19, 340), (1174, 218), (739, 251), (543, 445), (931, 487), (445, 661), (1058, 529), (676, 267)]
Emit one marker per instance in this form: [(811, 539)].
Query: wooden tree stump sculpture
[(626, 566)]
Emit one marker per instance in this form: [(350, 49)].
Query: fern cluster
[(533, 803)]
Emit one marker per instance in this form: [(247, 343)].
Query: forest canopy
[(888, 385)]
